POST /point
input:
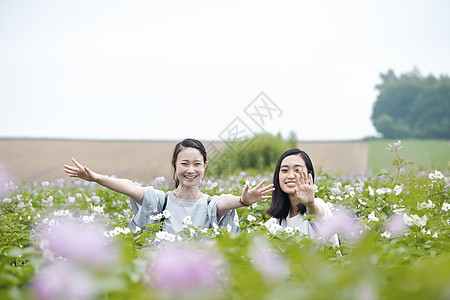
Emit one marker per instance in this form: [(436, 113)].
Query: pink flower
[(185, 271), (83, 243), (342, 222), (271, 265), (396, 225), (63, 280)]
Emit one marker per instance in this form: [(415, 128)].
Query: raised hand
[(250, 196), (304, 191), (80, 171)]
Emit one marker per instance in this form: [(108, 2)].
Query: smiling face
[(190, 167), (289, 166)]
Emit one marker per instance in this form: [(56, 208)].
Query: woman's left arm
[(249, 196)]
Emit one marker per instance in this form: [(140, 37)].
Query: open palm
[(79, 171), (304, 191), (250, 196)]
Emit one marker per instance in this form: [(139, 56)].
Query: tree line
[(412, 106)]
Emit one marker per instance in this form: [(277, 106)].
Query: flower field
[(70, 239)]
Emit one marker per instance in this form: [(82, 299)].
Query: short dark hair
[(280, 205), (186, 143)]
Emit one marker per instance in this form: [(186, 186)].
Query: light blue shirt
[(201, 213)]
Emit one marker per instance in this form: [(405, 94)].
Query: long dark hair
[(186, 143), (280, 205)]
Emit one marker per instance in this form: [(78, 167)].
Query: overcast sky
[(113, 69)]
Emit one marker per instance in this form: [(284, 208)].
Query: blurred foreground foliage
[(378, 265)]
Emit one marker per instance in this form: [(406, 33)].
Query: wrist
[(96, 177), (311, 207), (242, 202)]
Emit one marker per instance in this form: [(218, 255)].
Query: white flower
[(216, 228), (435, 235), (273, 226), (415, 220), (88, 219), (98, 209), (61, 213), (187, 221), (362, 202), (114, 232), (7, 200), (165, 236), (167, 214), (251, 218), (445, 206), (435, 176), (398, 189), (386, 234), (156, 217), (427, 205), (398, 210), (372, 217), (45, 183), (371, 192), (289, 229), (382, 191), (229, 228)]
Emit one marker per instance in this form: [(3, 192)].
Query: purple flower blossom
[(183, 270), (396, 225), (83, 243), (63, 280), (71, 200), (359, 189), (335, 191), (271, 265), (342, 222), (96, 199), (158, 181)]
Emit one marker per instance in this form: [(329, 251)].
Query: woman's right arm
[(123, 186)]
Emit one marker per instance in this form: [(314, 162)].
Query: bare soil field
[(43, 159)]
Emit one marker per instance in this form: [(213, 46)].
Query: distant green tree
[(256, 155), (412, 106), (292, 139)]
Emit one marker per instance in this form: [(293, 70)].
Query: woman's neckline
[(175, 195)]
